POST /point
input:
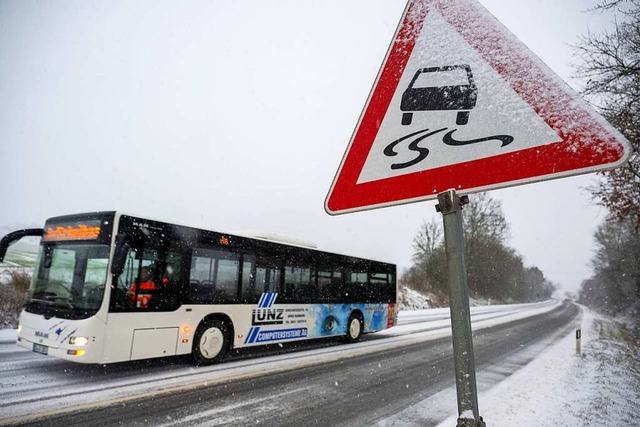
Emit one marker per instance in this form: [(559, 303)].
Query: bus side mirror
[(4, 245), (15, 236), (120, 255)]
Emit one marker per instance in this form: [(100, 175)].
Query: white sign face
[(460, 103), (446, 82)]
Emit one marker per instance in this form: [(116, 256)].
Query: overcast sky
[(235, 115)]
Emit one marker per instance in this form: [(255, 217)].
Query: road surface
[(315, 383)]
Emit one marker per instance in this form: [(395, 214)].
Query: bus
[(112, 287)]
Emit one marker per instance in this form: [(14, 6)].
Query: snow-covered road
[(37, 387)]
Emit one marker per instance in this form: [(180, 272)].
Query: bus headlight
[(79, 341)]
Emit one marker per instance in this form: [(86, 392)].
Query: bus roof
[(250, 234)]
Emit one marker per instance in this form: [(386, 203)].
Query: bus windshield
[(69, 280)]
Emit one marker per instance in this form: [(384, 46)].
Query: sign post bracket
[(450, 205)]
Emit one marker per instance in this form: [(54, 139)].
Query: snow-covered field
[(16, 261), (408, 299)]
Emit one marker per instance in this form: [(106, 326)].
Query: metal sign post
[(450, 205)]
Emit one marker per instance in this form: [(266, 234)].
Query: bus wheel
[(354, 328), (211, 342)]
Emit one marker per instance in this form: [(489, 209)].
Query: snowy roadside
[(8, 335), (558, 388)]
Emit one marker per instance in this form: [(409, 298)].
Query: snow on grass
[(559, 388), (409, 299), (20, 261), (8, 335), (15, 258)]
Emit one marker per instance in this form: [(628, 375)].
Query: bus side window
[(168, 277), (323, 284), (267, 279), (248, 293), (377, 287), (227, 278), (356, 289), (297, 284), (214, 276), (121, 298), (200, 278), (337, 288)]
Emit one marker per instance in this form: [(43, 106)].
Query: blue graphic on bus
[(257, 336), (321, 320), (379, 318), (267, 299), (331, 319)]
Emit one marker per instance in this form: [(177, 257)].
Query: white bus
[(112, 287)]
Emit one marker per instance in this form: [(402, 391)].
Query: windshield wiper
[(40, 301), (54, 300)]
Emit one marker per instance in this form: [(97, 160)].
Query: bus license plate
[(39, 348)]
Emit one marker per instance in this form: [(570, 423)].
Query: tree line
[(615, 285), (611, 65), (495, 271), (610, 68)]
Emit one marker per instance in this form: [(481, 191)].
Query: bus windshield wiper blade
[(56, 301), (46, 302)]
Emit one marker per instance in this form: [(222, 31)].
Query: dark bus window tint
[(202, 269), (378, 287), (249, 294), (379, 278), (323, 284), (336, 290), (297, 284), (329, 285), (214, 276), (227, 278), (356, 287), (267, 279), (169, 276), (323, 278), (359, 277), (151, 281)]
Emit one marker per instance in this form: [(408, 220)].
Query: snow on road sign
[(461, 103)]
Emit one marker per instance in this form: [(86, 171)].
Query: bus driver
[(144, 286)]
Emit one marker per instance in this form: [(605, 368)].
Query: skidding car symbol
[(440, 88)]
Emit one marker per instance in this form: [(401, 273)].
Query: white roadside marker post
[(578, 342)]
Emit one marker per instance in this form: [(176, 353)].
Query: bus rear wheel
[(211, 342), (354, 329)]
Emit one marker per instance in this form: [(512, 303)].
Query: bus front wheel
[(354, 329), (211, 342)]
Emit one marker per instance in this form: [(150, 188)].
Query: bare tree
[(611, 65), (427, 240), (483, 219), (615, 287), (428, 271), (494, 270)]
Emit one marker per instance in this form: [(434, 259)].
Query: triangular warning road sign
[(460, 103)]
